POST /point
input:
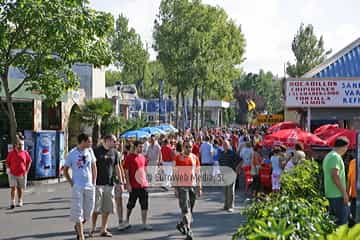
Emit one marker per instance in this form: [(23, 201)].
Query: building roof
[(128, 92), (345, 63), (213, 104)]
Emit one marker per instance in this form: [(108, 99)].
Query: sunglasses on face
[(188, 147)]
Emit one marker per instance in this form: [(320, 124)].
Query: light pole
[(118, 85), (168, 110), (161, 90)]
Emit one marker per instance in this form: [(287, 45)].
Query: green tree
[(129, 53), (198, 46), (43, 39), (263, 88), (112, 76), (94, 112), (154, 73), (308, 50)]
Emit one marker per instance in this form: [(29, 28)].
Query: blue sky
[(268, 25)]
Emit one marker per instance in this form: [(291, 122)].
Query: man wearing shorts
[(119, 182), (107, 165), (82, 162), (18, 163), (136, 183), (188, 185)]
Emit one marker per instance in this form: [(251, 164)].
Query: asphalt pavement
[(45, 215)]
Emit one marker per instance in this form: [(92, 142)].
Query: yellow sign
[(270, 119)]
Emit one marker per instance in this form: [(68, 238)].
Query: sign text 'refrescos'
[(322, 93)]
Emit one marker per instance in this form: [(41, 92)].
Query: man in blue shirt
[(207, 152), (82, 162)]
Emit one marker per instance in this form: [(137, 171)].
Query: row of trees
[(199, 50), (199, 47), (43, 39)]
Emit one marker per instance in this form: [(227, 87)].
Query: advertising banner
[(322, 92), (270, 119), (45, 165)]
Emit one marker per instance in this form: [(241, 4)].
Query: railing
[(2, 166)]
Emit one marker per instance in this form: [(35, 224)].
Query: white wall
[(98, 79), (92, 80)]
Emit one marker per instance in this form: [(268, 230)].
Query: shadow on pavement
[(50, 217), (47, 202), (44, 236), (36, 210)]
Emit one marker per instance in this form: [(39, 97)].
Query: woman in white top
[(276, 165)]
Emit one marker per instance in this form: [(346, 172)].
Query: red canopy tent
[(325, 128), (290, 137), (282, 125), (326, 131), (349, 134)]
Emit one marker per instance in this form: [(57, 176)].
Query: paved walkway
[(45, 215)]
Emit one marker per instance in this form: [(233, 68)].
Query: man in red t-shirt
[(18, 163), (167, 161), (136, 183), (234, 140), (196, 147)]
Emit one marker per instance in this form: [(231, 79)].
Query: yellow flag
[(251, 105)]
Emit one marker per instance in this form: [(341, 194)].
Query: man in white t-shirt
[(153, 152), (82, 162)]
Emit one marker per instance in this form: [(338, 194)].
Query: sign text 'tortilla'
[(321, 92)]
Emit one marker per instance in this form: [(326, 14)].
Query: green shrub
[(298, 212), (302, 181), (285, 218), (345, 233)]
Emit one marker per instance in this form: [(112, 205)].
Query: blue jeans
[(339, 210)]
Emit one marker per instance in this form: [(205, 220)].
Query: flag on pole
[(251, 105)]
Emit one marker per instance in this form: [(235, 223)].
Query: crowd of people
[(99, 175)]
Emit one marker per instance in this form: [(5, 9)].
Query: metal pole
[(309, 119), (165, 111), (357, 215), (159, 109)]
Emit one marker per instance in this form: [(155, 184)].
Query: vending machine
[(45, 153), (46, 149)]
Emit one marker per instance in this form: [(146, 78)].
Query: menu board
[(358, 176), (322, 92)]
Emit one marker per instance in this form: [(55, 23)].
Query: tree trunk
[(96, 133), (202, 109), (184, 111), (177, 108), (9, 109), (193, 107), (12, 120)]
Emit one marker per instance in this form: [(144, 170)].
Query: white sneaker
[(230, 210), (20, 203), (124, 226)]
